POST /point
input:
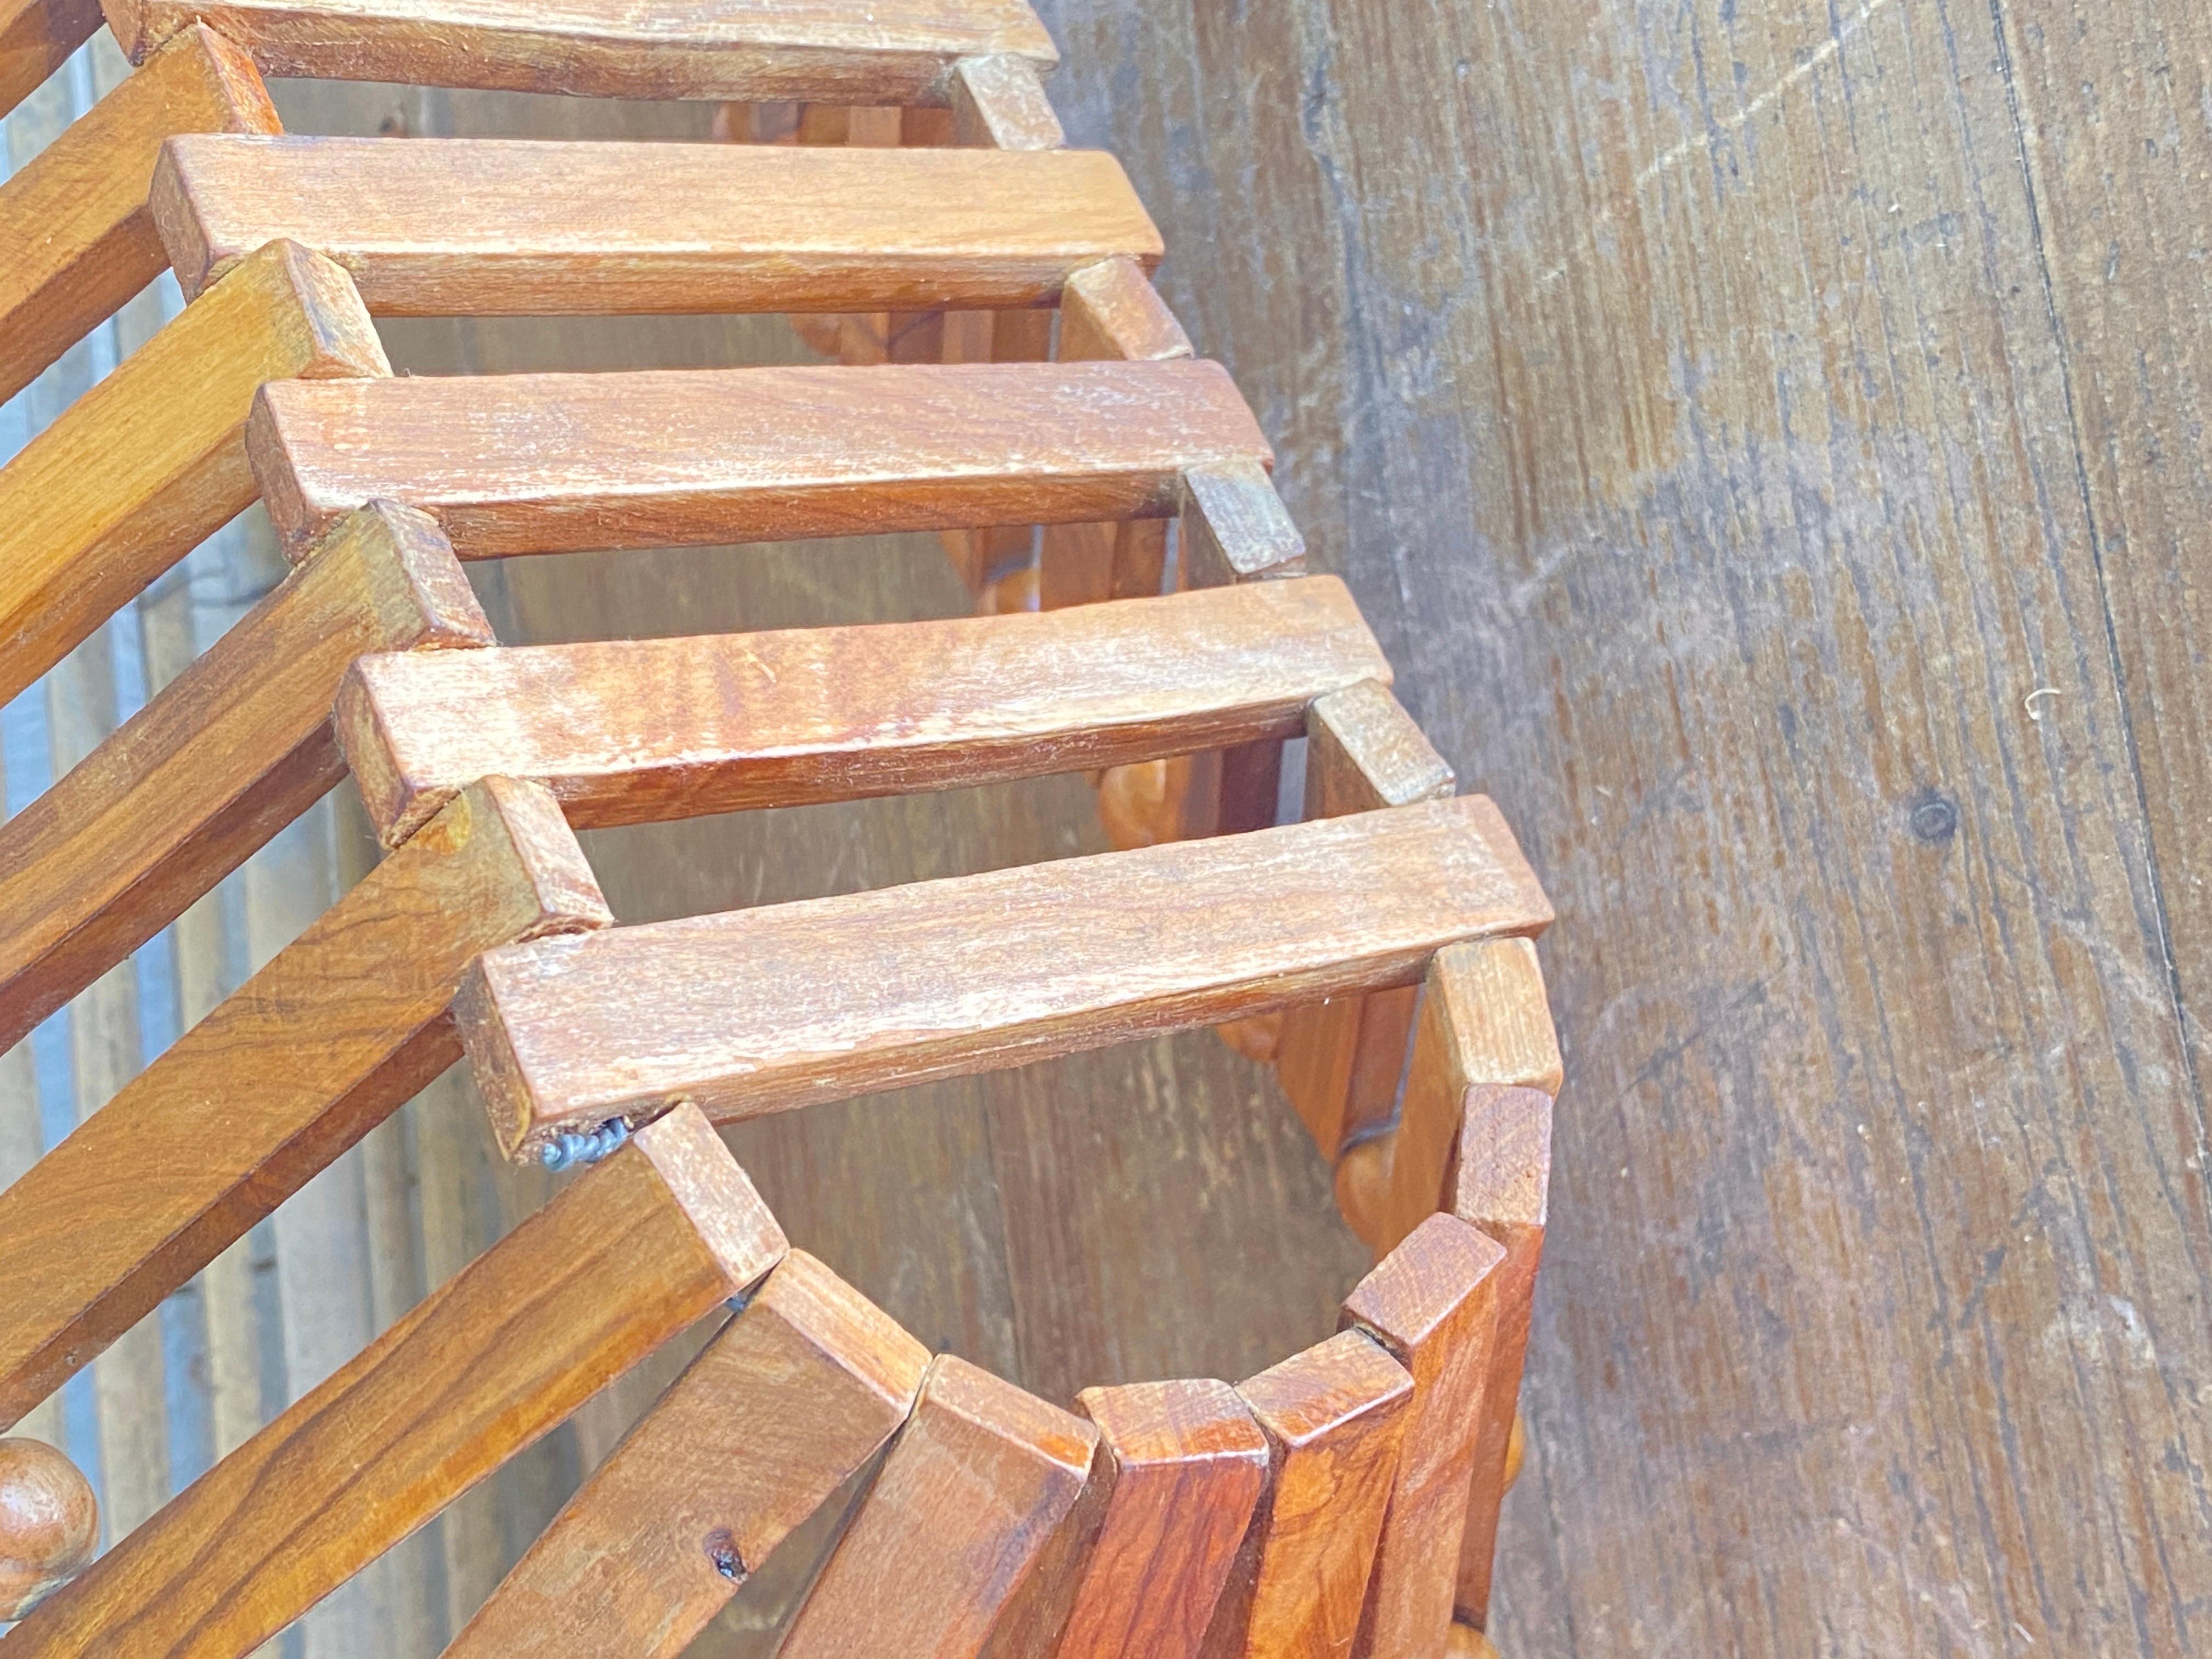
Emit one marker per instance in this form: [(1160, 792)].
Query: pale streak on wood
[(87, 241), (1340, 1063), (747, 721), (212, 1137), (1334, 1416), (999, 103), (632, 1253), (1485, 1020), (1233, 527), (1182, 1465), (957, 1527), (794, 1396), (237, 746), (765, 1010), (894, 52), (36, 37), (1433, 1305), (152, 459), (552, 463), (606, 226)]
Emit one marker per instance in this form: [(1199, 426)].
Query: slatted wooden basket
[(1004, 363)]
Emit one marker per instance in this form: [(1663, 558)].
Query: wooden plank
[(629, 1255), (554, 228), (764, 1009), (553, 463), (85, 240), (152, 460), (1484, 1022), (36, 37), (798, 1393), (1334, 1416), (741, 720), (212, 1136), (1232, 527), (1432, 1303), (1499, 1181), (1341, 1061), (238, 746), (998, 103), (1184, 1464), (950, 1540), (893, 52)]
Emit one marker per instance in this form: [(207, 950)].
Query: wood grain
[(633, 1252), (49, 1524), (1340, 1063), (758, 719), (948, 1540), (87, 241), (237, 746), (998, 103), (1432, 1303), (1231, 527), (552, 463), (896, 52), (152, 459), (553, 228), (1334, 1418), (795, 1396), (765, 1010), (36, 37), (1484, 1022), (1500, 1180), (217, 1133), (1183, 1463)]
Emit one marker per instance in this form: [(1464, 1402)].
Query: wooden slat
[(1432, 1304), (552, 463), (151, 461), (596, 228), (764, 1009), (1485, 1021), (1184, 1464), (239, 745), (1499, 1183), (36, 37), (1340, 1063), (635, 1251), (1334, 1416), (951, 1540), (78, 238), (756, 720), (1233, 527), (890, 51), (794, 1396), (313, 1051)]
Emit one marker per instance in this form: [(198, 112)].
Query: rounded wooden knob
[(1135, 804), (1515, 1443), (49, 1521), (1257, 1038), (1363, 1182), (1466, 1642)]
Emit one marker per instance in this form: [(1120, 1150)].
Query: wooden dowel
[(953, 1537), (238, 746), (635, 1251), (552, 463), (893, 52), (214, 1135), (794, 1396), (1340, 1063), (152, 460), (1182, 1463), (1334, 1416), (763, 1010), (1432, 1304), (78, 240), (554, 229), (745, 720)]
